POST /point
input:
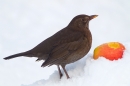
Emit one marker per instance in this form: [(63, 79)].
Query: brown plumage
[(66, 46)]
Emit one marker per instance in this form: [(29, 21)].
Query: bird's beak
[(93, 16)]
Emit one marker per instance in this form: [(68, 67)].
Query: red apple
[(111, 51)]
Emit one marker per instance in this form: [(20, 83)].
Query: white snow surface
[(87, 71), (25, 23)]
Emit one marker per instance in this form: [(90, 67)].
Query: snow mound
[(90, 72)]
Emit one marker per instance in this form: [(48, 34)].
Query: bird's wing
[(60, 52), (64, 47)]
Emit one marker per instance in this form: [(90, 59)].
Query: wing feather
[(61, 52)]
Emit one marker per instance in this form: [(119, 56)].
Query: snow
[(25, 23), (100, 72)]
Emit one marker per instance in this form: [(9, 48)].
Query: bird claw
[(61, 75)]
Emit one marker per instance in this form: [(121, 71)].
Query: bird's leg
[(63, 66), (59, 71)]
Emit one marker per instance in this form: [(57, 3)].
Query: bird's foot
[(61, 75)]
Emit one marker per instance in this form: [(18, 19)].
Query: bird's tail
[(17, 55)]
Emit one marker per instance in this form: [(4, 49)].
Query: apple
[(111, 51)]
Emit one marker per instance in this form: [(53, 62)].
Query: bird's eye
[(82, 19)]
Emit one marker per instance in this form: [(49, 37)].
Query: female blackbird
[(66, 46)]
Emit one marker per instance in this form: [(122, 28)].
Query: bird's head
[(81, 21)]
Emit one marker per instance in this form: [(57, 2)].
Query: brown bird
[(66, 46)]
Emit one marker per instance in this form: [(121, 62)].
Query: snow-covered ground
[(90, 72), (25, 23)]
